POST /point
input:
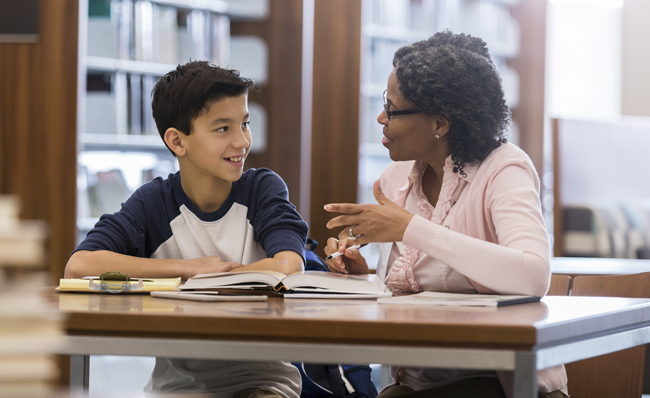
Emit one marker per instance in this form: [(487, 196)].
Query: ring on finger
[(352, 236)]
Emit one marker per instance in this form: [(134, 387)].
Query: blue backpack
[(336, 381), (332, 381), (313, 261)]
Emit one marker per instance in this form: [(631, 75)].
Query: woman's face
[(408, 137)]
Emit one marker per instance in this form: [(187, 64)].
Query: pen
[(338, 254)]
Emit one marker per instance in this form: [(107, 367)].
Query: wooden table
[(575, 266), (522, 338)]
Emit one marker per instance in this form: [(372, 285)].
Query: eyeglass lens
[(386, 106)]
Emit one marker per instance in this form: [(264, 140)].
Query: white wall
[(636, 58), (583, 59)]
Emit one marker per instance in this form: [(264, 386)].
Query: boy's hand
[(208, 265)]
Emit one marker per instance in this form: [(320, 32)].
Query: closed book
[(206, 296), (26, 368), (313, 282), (457, 299)]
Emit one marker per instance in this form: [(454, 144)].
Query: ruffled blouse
[(401, 276)]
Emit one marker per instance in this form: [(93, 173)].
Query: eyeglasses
[(397, 113)]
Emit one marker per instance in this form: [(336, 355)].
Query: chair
[(560, 285), (619, 374)]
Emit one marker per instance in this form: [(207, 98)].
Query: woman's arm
[(520, 262)]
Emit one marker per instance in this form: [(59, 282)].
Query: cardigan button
[(447, 226)]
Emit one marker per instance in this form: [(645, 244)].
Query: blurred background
[(77, 136)]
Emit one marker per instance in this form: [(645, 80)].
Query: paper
[(205, 296)]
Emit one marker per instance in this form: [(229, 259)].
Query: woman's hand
[(384, 222), (351, 262)]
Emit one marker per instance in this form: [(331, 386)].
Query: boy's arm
[(93, 263), (277, 225), (286, 262)]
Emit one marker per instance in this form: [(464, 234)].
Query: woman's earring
[(437, 136)]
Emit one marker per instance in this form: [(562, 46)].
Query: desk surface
[(598, 266), (520, 327)]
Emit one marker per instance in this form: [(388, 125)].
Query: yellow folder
[(148, 285)]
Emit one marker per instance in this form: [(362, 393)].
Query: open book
[(307, 284), (456, 299)]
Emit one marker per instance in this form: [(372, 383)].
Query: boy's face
[(220, 140)]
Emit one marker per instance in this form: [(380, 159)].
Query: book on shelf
[(120, 90), (316, 283), (220, 40), (148, 123), (457, 299), (125, 29), (102, 37), (143, 31), (148, 285), (135, 103), (166, 34)]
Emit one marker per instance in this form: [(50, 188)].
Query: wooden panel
[(529, 64), (38, 136), (281, 96), (615, 375), (335, 118), (619, 374), (559, 285)]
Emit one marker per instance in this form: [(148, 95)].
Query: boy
[(208, 217)]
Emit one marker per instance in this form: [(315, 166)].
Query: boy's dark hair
[(181, 95)]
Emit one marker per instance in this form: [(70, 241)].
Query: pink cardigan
[(486, 234)]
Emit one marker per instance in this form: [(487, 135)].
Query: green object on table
[(115, 276)]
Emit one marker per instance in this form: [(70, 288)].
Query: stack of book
[(29, 331)]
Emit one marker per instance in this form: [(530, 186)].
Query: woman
[(460, 202)]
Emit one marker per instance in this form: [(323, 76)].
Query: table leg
[(79, 373), (525, 383)]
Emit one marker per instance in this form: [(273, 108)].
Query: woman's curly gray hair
[(452, 76)]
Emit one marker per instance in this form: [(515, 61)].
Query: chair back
[(619, 374), (560, 285)]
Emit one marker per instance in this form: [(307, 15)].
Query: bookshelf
[(125, 47)]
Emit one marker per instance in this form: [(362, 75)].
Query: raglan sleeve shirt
[(276, 223), (124, 232)]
